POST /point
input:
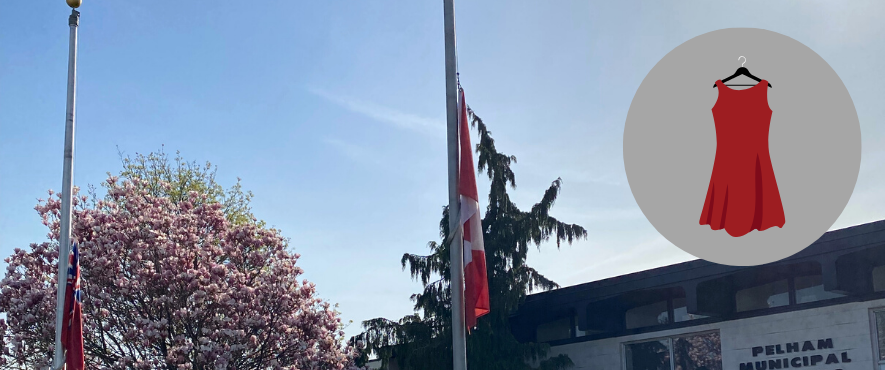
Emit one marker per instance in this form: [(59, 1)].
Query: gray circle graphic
[(670, 142)]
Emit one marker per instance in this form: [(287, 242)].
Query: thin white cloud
[(354, 152), (604, 179), (399, 119), (649, 254), (619, 214), (612, 214), (606, 169)]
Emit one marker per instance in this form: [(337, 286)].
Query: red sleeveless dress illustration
[(743, 194)]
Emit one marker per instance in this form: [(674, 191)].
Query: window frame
[(874, 336), (669, 339), (791, 294), (725, 317)]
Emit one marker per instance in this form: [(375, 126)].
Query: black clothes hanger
[(742, 71)]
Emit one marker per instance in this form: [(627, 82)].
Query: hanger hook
[(745, 60)]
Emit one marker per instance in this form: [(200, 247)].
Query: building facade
[(822, 308)]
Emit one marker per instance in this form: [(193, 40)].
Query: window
[(564, 328), (795, 290), (581, 333), (648, 315), (652, 355), (555, 330), (877, 320), (697, 352), (879, 278), (811, 288), (662, 312), (769, 295), (680, 311), (700, 351)]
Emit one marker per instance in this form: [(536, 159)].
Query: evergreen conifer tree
[(423, 340)]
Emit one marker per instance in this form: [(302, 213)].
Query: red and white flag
[(72, 327), (476, 286)]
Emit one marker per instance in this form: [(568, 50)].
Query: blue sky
[(333, 114)]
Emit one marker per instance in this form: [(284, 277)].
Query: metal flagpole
[(456, 255), (66, 184)]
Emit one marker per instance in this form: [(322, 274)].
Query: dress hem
[(781, 226)]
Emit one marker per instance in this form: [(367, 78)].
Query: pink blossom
[(169, 286)]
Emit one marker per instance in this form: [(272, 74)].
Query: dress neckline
[(763, 82)]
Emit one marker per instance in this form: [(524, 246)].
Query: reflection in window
[(648, 315), (689, 352), (700, 351), (579, 332), (680, 311), (555, 330), (879, 278), (811, 288), (654, 355), (769, 295)]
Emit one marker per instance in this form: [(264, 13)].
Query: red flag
[(72, 327), (476, 285)]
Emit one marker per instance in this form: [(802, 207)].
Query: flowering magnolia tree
[(169, 285)]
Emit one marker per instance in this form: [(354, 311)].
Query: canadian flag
[(476, 286)]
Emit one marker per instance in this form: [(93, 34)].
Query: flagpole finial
[(74, 3)]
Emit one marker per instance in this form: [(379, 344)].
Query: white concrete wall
[(848, 325)]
